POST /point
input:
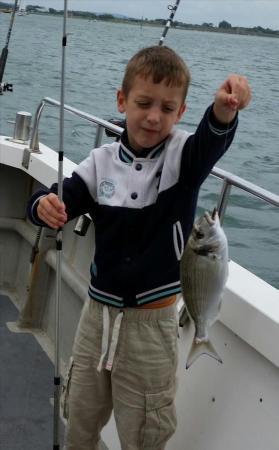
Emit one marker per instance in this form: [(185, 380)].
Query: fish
[(203, 275)]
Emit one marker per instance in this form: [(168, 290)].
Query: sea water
[(96, 55)]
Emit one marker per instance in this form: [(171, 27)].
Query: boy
[(141, 193)]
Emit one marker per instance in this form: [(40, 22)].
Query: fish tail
[(201, 348)]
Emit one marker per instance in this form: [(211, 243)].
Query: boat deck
[(26, 387)]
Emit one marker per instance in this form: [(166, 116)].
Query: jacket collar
[(127, 154)]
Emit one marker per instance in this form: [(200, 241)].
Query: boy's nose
[(153, 115)]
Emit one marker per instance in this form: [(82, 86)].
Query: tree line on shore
[(223, 26)]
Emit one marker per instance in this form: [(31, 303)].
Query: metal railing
[(101, 123), (228, 178)]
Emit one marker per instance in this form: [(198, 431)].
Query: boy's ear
[(181, 111), (120, 101)]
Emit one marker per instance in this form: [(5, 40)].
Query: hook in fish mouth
[(211, 218), (214, 213)]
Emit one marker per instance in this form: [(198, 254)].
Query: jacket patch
[(107, 188)]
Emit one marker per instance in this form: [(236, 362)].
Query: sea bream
[(203, 275)]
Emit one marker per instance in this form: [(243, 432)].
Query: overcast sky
[(248, 13)]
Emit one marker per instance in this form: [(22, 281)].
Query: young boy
[(141, 193)]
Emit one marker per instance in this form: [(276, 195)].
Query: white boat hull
[(233, 405)]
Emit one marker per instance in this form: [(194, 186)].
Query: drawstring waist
[(105, 338), (110, 315)]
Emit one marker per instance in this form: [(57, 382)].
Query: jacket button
[(134, 195), (138, 166)]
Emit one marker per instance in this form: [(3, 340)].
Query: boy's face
[(151, 111)]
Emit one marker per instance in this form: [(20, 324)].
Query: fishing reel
[(6, 87)]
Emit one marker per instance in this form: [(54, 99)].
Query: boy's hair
[(161, 63)]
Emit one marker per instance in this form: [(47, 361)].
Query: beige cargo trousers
[(123, 361)]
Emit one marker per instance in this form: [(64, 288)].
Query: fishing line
[(4, 55), (56, 411)]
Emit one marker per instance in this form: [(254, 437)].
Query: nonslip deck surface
[(26, 386)]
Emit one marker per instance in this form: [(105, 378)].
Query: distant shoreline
[(224, 26), (255, 31), (236, 30)]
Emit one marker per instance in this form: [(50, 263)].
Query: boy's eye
[(146, 104), (168, 109), (143, 104)]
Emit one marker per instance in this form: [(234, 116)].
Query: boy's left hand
[(233, 95)]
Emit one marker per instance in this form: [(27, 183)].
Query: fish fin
[(201, 348), (207, 250), (183, 316)]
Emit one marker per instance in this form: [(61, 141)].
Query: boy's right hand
[(52, 211)]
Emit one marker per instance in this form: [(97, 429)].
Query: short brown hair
[(160, 62)]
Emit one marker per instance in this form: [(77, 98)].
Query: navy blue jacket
[(143, 209)]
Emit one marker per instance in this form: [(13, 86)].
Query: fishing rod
[(173, 9), (56, 411), (4, 55)]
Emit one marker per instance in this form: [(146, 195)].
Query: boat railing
[(100, 123), (228, 178)]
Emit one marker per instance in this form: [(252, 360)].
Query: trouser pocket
[(66, 389), (160, 420)]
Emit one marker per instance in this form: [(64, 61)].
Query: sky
[(246, 13)]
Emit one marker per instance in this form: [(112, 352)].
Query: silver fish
[(203, 275)]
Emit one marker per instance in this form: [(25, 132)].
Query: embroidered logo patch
[(107, 189)]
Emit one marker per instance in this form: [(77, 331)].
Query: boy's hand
[(52, 211), (233, 95)]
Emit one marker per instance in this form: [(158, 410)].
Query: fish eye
[(198, 234)]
